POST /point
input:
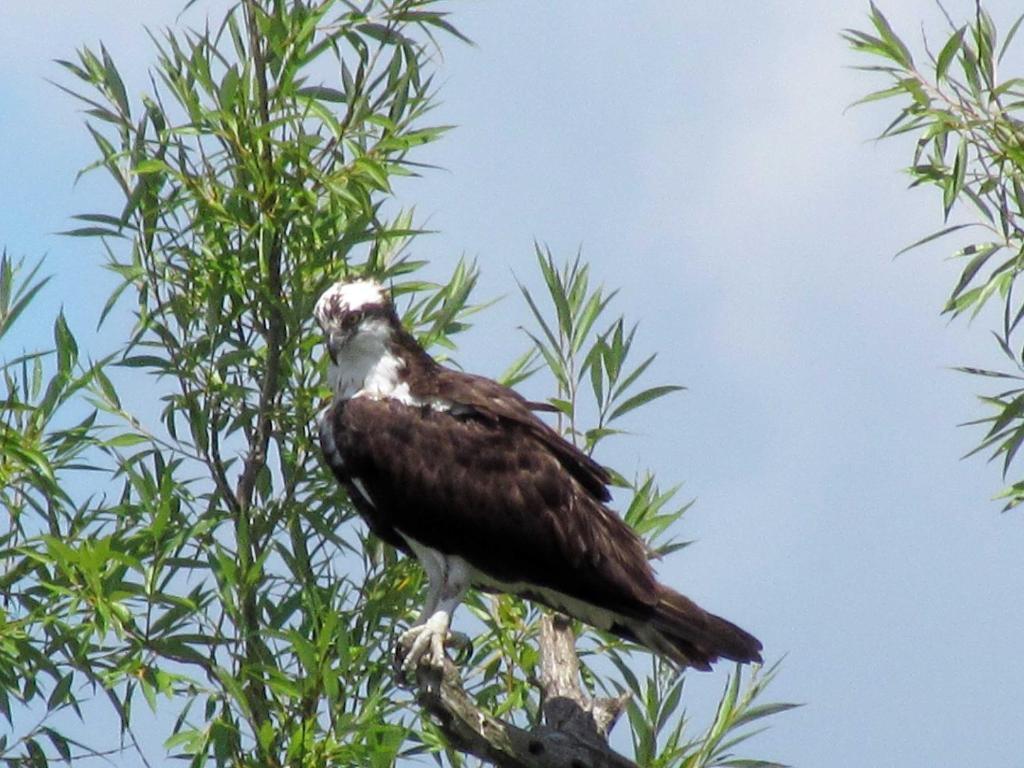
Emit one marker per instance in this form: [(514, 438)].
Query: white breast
[(366, 367)]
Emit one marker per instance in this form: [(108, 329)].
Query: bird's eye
[(351, 319)]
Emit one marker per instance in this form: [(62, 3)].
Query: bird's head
[(358, 321), (354, 315)]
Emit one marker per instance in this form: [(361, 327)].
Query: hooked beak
[(335, 340)]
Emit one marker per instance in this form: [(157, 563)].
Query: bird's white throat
[(366, 366)]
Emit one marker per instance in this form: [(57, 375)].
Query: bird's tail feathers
[(686, 633)]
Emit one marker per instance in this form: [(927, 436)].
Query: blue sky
[(702, 158)]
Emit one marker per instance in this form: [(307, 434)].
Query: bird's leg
[(424, 642), (433, 597), (458, 640)]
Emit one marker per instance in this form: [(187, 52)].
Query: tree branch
[(575, 729), (250, 537), (565, 705)]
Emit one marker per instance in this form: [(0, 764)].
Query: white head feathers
[(361, 362), (347, 297)]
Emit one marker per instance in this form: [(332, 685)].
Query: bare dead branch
[(565, 705), (575, 729)]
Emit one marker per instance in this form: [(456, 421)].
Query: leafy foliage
[(658, 720), (204, 573), (37, 647), (971, 147), (175, 544)]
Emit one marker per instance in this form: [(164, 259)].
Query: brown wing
[(490, 488), (329, 424), (495, 402)]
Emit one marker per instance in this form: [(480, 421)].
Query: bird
[(459, 472)]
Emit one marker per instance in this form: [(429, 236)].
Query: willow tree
[(177, 552), (966, 118)]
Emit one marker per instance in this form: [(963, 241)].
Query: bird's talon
[(463, 645), (422, 645)]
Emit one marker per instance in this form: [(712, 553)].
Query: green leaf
[(144, 361), (1010, 447), (955, 181), (885, 93), (322, 93), (595, 306), (1009, 36), (91, 232), (152, 165), (750, 714), (383, 33), (933, 236), (643, 397), (113, 81), (948, 52), (22, 297), (539, 317), (556, 290), (67, 347), (36, 754), (982, 253), (59, 742), (893, 45), (633, 376), (61, 692), (106, 387), (126, 440), (520, 370)]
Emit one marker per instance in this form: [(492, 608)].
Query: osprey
[(457, 471)]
